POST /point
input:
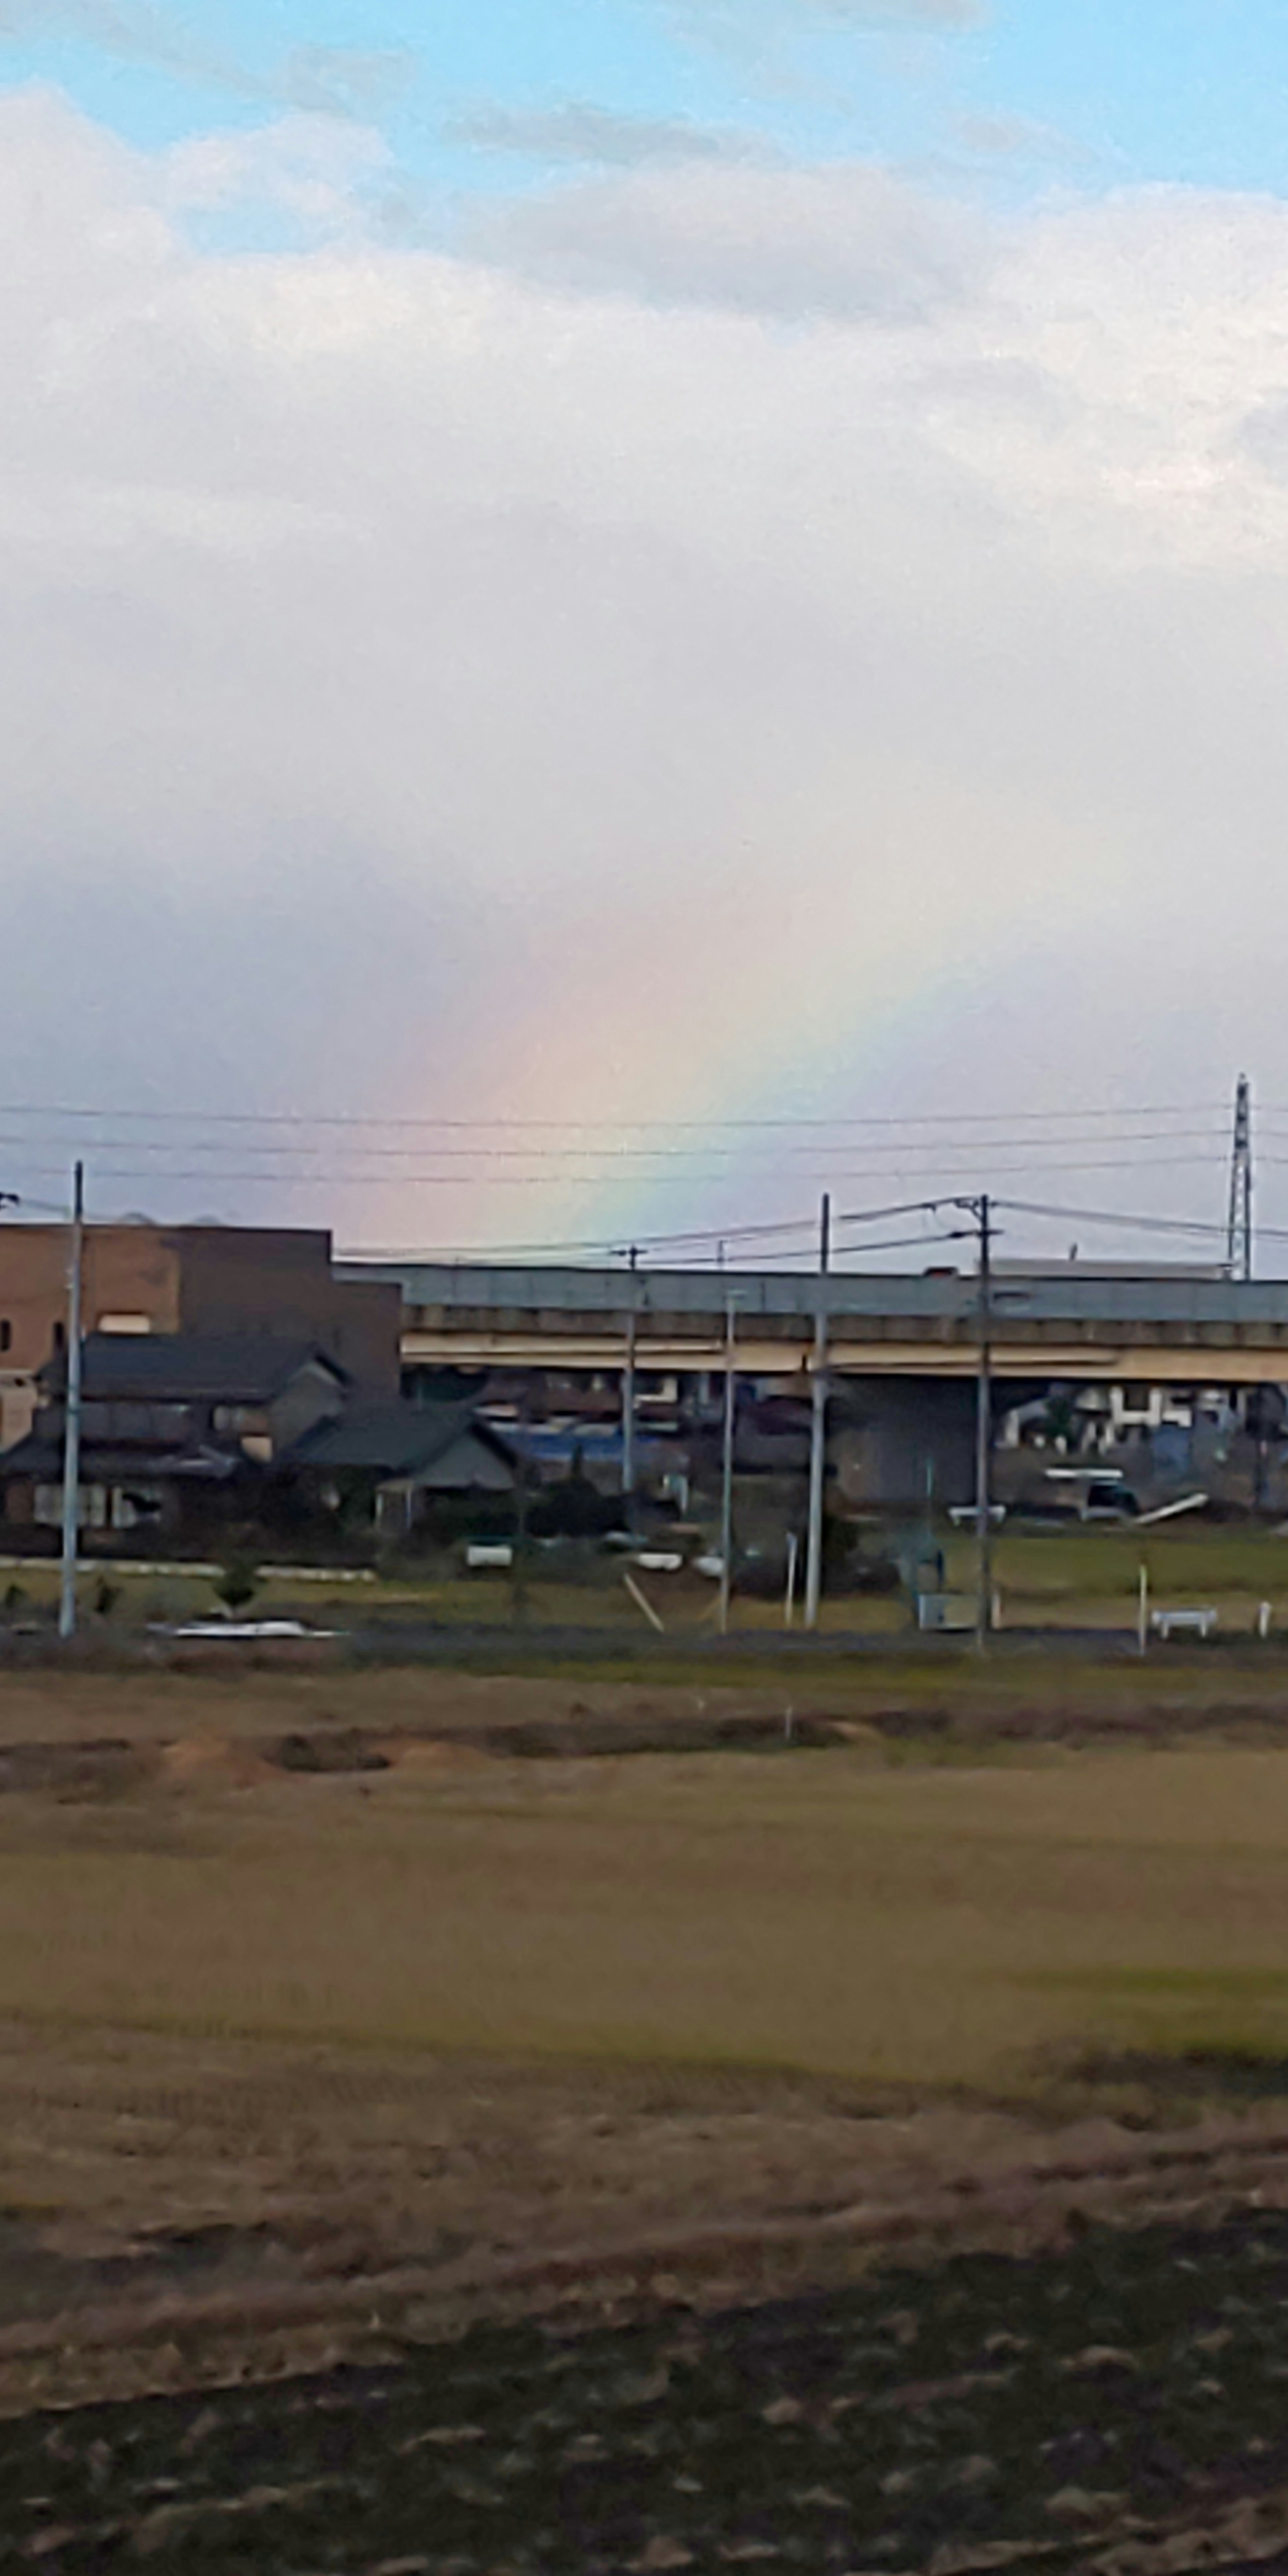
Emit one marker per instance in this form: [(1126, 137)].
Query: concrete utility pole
[(818, 1430), (1239, 1230), (984, 1430), (519, 1558), (726, 1484), (628, 1391), (981, 1209), (72, 1429)]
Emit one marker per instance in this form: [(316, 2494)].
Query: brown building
[(204, 1280)]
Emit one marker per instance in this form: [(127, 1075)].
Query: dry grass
[(901, 1926), (1075, 1577)]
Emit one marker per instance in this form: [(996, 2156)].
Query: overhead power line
[(598, 1178), (1129, 1223), (100, 1114), (471, 1155)]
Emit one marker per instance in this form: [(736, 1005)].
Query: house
[(169, 1423), (143, 1282), (397, 1460)]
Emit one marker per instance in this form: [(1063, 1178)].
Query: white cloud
[(326, 178), (850, 241), (431, 688), (578, 131)]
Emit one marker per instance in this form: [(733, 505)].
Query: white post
[(1142, 1611), (726, 1489), (818, 1432), (643, 1603), (72, 1417), (793, 1552)]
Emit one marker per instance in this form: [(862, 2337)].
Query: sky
[(615, 613)]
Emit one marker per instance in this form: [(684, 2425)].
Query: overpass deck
[(1181, 1329)]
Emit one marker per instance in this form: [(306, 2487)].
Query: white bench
[(1184, 1623)]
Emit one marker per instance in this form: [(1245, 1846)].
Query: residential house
[(178, 1431), (395, 1461)]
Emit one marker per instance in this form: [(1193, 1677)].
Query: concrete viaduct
[(1180, 1328)]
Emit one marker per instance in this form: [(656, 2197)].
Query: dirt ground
[(1112, 2407), (1035, 1697)]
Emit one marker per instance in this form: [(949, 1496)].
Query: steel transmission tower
[(1238, 1247)]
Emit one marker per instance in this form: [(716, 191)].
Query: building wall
[(130, 1272), (251, 1279), (131, 1276), (312, 1397)]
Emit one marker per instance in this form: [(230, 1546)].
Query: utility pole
[(72, 1418), (519, 1561), (981, 1209), (1238, 1241), (984, 1430), (818, 1430), (726, 1483), (628, 1393)]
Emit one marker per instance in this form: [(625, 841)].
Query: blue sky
[(1028, 94)]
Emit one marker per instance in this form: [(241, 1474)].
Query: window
[(60, 1337), (6, 1334)]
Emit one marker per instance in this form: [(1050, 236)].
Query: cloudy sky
[(582, 577)]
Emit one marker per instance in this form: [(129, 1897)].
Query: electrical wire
[(582, 1126), (1133, 1224), (472, 1155), (597, 1178)]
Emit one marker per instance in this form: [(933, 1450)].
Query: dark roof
[(232, 1368), (394, 1439), (42, 1461)]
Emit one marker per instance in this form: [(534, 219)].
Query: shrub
[(238, 1584)]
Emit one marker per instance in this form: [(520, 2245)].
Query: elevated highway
[(1180, 1329)]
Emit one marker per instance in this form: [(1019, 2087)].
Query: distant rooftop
[(1077, 1269)]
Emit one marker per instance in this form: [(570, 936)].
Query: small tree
[(238, 1584)]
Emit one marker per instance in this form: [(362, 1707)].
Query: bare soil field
[(1112, 2408)]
